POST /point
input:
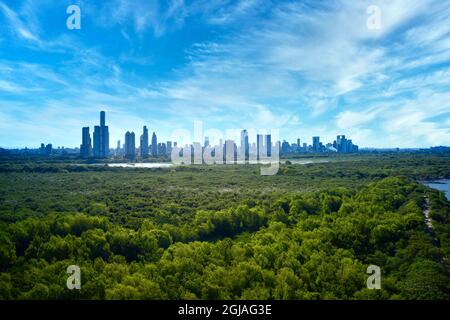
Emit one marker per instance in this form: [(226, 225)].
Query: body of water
[(140, 165), (308, 161), (442, 185), (168, 164)]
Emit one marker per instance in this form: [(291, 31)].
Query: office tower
[(144, 143), (42, 149), (263, 146), (316, 144), (206, 142), (245, 147), (260, 150), (130, 147), (85, 147), (285, 147), (162, 148), (298, 143), (101, 138), (230, 151), (154, 145), (118, 148), (169, 148), (341, 144), (48, 149), (269, 145)]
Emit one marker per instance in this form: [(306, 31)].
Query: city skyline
[(245, 148), (306, 68), (97, 145)]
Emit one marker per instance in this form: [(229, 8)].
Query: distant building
[(130, 145), (316, 144), (230, 151), (86, 146), (260, 150), (285, 147), (154, 145), (48, 149), (269, 145), (101, 138), (144, 143), (169, 148), (162, 149), (118, 151), (342, 145), (245, 148)]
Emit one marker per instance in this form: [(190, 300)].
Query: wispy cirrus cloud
[(309, 68)]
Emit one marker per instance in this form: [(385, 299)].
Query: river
[(442, 185)]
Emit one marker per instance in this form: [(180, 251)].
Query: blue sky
[(304, 67)]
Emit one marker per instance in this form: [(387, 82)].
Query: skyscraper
[(154, 145), (316, 144), (86, 146), (245, 147), (118, 148), (130, 147), (260, 149), (169, 148), (144, 143), (101, 138), (269, 145)]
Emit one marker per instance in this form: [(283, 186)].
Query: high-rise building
[(260, 151), (229, 151), (285, 147), (245, 147), (154, 145), (269, 145), (118, 152), (169, 148), (144, 143), (48, 149), (206, 142), (162, 149), (86, 146), (130, 147), (101, 138), (316, 144)]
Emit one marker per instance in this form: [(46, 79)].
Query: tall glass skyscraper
[(86, 146), (101, 138), (154, 145), (144, 143), (130, 147), (245, 148)]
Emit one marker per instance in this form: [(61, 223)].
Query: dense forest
[(225, 231)]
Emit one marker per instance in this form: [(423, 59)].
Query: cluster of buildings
[(151, 148), (340, 145), (100, 147)]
